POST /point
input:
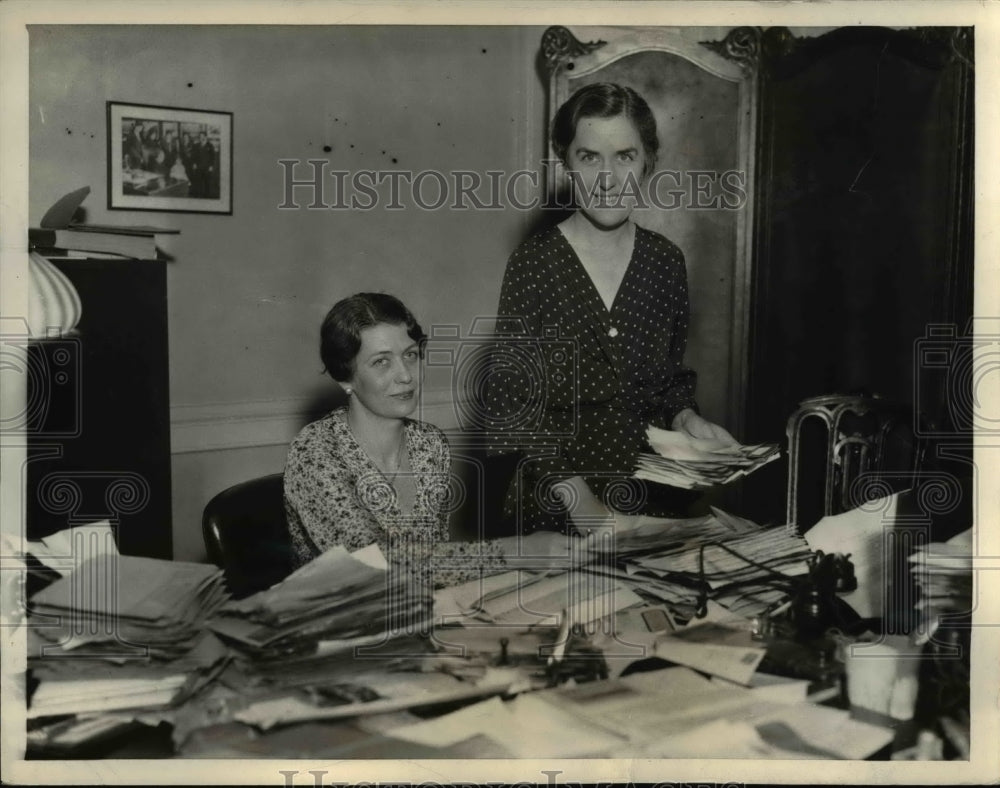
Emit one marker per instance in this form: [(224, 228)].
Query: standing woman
[(368, 473), (618, 294)]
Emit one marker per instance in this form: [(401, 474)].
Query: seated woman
[(367, 472)]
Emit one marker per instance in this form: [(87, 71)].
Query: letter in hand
[(690, 423)]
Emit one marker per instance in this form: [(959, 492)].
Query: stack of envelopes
[(693, 463), (87, 685), (335, 603), (943, 571), (123, 633), (522, 598), (664, 560), (156, 606)]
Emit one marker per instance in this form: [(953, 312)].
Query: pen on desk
[(561, 639), (780, 609)]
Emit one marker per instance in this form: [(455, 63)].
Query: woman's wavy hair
[(605, 100), (340, 334)]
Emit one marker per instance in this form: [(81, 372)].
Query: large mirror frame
[(702, 86)]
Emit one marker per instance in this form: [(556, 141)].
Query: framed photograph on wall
[(169, 159)]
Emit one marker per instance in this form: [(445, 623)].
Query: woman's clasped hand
[(690, 423)]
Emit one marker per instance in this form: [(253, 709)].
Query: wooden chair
[(856, 435)]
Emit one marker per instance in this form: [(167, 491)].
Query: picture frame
[(170, 159)]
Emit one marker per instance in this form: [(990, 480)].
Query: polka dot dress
[(629, 371)]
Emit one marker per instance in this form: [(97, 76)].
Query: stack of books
[(137, 242), (692, 463), (58, 231)]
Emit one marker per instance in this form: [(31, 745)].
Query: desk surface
[(671, 700), (493, 686)]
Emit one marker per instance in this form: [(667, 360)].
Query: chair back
[(835, 439), (246, 533)]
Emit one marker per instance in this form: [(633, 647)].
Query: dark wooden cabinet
[(99, 414)]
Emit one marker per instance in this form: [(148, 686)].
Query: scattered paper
[(775, 689), (861, 533), (92, 539), (479, 718), (690, 463), (585, 596), (528, 727), (88, 696), (288, 709), (831, 730), (713, 648), (653, 704), (720, 738), (944, 573)]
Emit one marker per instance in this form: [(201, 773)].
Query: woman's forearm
[(585, 509)]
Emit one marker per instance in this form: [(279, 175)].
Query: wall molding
[(218, 426)]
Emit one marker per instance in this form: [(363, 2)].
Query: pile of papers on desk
[(116, 636), (88, 684), (659, 561), (122, 605), (694, 463), (325, 635), (335, 603), (342, 637), (523, 598), (663, 560), (943, 571)]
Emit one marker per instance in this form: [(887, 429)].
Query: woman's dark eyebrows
[(389, 352), (630, 149)]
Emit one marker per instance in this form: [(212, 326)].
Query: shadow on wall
[(320, 403)]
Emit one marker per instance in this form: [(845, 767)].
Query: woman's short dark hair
[(605, 100), (340, 334)]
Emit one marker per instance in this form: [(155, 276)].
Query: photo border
[(17, 15), (119, 201)]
